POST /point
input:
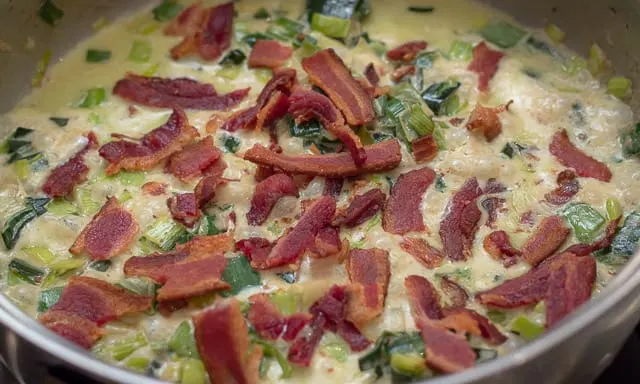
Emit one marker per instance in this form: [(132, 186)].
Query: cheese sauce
[(545, 97)]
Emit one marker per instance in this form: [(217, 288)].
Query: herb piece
[(575, 64), (502, 33), (408, 365), (288, 303), (61, 207), (378, 46), (556, 34), (100, 265), (97, 55), (417, 9), (626, 241), (310, 128), (42, 254), (437, 94), (60, 121), (234, 57), (167, 10), (389, 344), (34, 207), (22, 169), (93, 97), (336, 348), (419, 121), (164, 233), (140, 51), (271, 351), (138, 286), (208, 226), (193, 372), (123, 348), (461, 50), (41, 69), (183, 341), (229, 72), (526, 328), (25, 271), (619, 86), (48, 298), (86, 204), (231, 143), (511, 149), (137, 363), (50, 13), (585, 220), (330, 26), (261, 14), (239, 274), (613, 207)]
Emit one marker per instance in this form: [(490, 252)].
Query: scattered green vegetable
[(193, 372), (239, 274), (556, 34), (61, 207), (619, 87), (330, 26), (164, 233), (48, 298), (613, 207), (483, 354), (93, 97), (230, 143), (596, 60), (50, 13), (461, 50), (41, 69), (335, 348), (100, 265), (585, 220), (234, 57), (60, 121), (417, 9), (526, 328), (167, 10), (437, 94), (262, 14), (140, 51), (43, 254), (97, 55), (26, 272), (626, 241), (123, 348), (502, 33), (271, 351), (34, 207), (289, 277), (183, 341)]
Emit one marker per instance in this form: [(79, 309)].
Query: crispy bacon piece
[(459, 226), (571, 156), (548, 237), (424, 148), (371, 75), (294, 324), (569, 287), (403, 71), (193, 278), (423, 298), (63, 179), (604, 242), (498, 246), (306, 105), (492, 205), (333, 187), (467, 321), (154, 146), (176, 93), (327, 243), (270, 324), (267, 193), (425, 254), (256, 249), (187, 22), (362, 208), (223, 342), (290, 247), (206, 188), (381, 157), (327, 71), (275, 108), (184, 208), (72, 327), (485, 64), (369, 272), (402, 211), (455, 292), (303, 347), (192, 160), (444, 350), (109, 233), (485, 120), (269, 54), (407, 51), (203, 246), (494, 186), (154, 188), (568, 186)]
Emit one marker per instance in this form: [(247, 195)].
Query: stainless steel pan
[(575, 351)]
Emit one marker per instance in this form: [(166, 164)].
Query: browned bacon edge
[(369, 272), (402, 211), (485, 64), (570, 156), (407, 51), (424, 253), (547, 238), (485, 120), (568, 186), (63, 179), (361, 208), (267, 193), (269, 54), (190, 162), (458, 227)]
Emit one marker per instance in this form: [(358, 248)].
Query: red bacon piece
[(485, 64), (63, 179), (423, 298), (294, 324), (425, 254), (188, 22), (571, 156), (275, 109), (303, 347), (192, 160), (407, 51), (223, 342), (371, 75), (402, 71), (109, 233), (444, 350), (492, 205), (459, 226), (369, 273), (153, 266), (270, 324), (498, 245), (402, 211), (267, 194), (176, 93), (327, 243), (256, 249), (485, 120), (568, 186), (457, 294), (306, 105), (327, 71), (604, 242), (548, 237), (184, 208), (569, 287), (154, 188), (333, 187), (72, 327), (361, 209), (424, 148), (290, 247), (193, 278), (381, 157), (154, 146), (269, 54), (206, 188), (203, 246), (521, 291), (467, 321)]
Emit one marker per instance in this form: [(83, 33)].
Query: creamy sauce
[(541, 106)]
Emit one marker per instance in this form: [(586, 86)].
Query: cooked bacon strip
[(206, 188), (306, 105), (369, 273), (485, 120), (223, 342), (327, 71), (604, 242), (571, 156), (270, 324), (459, 226), (381, 157), (569, 287), (548, 237), (333, 187), (402, 211), (425, 254), (64, 178), (192, 160), (362, 208), (327, 243), (494, 186), (423, 298), (204, 246), (275, 109), (455, 292), (407, 51), (402, 71), (303, 347), (72, 327), (371, 75), (176, 93), (193, 278), (188, 22), (568, 186), (255, 249), (424, 148), (498, 246), (154, 146), (109, 233), (290, 247), (294, 324), (464, 321), (444, 350), (492, 205), (269, 54), (267, 193), (154, 188), (485, 64), (184, 208)]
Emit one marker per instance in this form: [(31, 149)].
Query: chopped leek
[(100, 265), (164, 233), (251, 38), (140, 51), (131, 178), (86, 204), (288, 303), (208, 226), (626, 241), (364, 135), (48, 298), (408, 364), (556, 34), (99, 24), (183, 342), (576, 64), (345, 9), (123, 348), (42, 254), (234, 57), (230, 143), (167, 10), (262, 14), (269, 350), (22, 169), (502, 33), (26, 272), (151, 70), (461, 50), (378, 46), (496, 316), (614, 209), (93, 97), (97, 55), (335, 348), (34, 207), (425, 60), (229, 73), (41, 69), (417, 9), (239, 274), (330, 26), (50, 13), (193, 372), (619, 87), (526, 328), (437, 94), (60, 121), (441, 185), (389, 344), (63, 266), (630, 141), (584, 219), (419, 121), (596, 60), (137, 363), (289, 277)]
